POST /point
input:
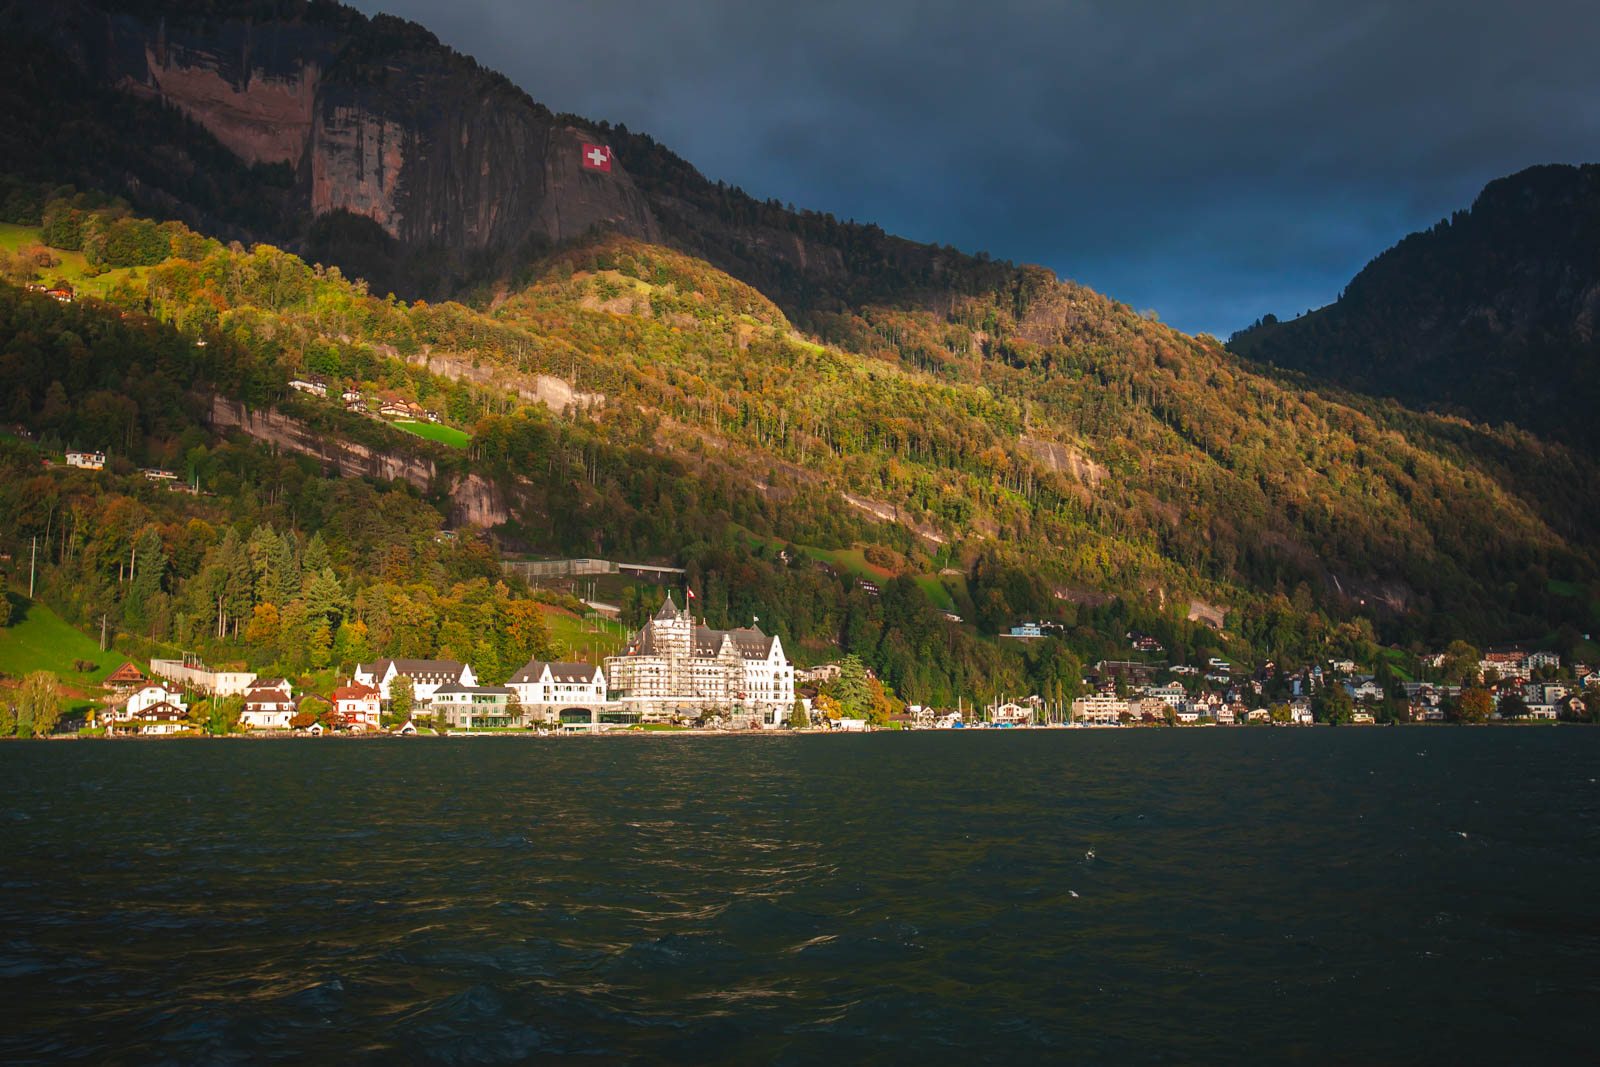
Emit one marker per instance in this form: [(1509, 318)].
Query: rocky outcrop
[(350, 459), (474, 500), (892, 513), (377, 119), (1209, 614), (409, 165), (557, 394), (1054, 456)]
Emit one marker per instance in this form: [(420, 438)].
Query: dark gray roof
[(416, 668), (748, 642), (560, 671), (643, 643)]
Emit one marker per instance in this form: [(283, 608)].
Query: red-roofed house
[(357, 705), (126, 678)]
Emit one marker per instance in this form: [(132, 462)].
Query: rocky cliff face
[(474, 500), (367, 144), (376, 119)]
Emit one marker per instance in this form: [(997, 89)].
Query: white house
[(467, 706), (151, 709), (198, 676), (543, 688), (148, 696), (89, 461), (426, 675), (1367, 690), (154, 721), (1171, 694), (357, 705), (1103, 708), (268, 706), (1011, 714)]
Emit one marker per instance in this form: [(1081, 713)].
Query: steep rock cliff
[(377, 119), (368, 144)]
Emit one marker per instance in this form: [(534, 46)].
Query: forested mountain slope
[(1492, 313), (1101, 453)]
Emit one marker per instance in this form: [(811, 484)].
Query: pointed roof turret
[(669, 610)]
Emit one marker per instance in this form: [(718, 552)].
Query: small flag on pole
[(690, 592), (597, 157)]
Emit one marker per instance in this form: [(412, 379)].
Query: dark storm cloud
[(1212, 161)]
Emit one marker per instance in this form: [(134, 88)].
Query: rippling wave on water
[(1364, 896)]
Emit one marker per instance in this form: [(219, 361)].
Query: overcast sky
[(1212, 161)]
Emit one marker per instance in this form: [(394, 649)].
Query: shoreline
[(381, 735)]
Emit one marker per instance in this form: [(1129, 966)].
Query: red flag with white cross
[(597, 157)]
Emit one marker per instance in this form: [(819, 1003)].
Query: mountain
[(1492, 314), (368, 143), (697, 376)]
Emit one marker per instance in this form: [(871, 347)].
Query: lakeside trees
[(35, 707)]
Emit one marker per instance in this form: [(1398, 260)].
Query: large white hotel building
[(676, 666)]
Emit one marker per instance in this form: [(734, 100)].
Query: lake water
[(1366, 896)]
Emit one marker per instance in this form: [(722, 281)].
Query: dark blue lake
[(1365, 896)]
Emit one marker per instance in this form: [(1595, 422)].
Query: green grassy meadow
[(934, 586), (571, 635), (39, 639), (432, 431), (74, 269), (937, 588)]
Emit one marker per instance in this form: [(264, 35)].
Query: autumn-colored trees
[(34, 707), (1475, 705)]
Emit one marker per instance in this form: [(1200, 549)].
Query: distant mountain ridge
[(1493, 313)]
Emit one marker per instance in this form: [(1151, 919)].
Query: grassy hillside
[(40, 640), (447, 435), (574, 637), (70, 267), (1055, 424)]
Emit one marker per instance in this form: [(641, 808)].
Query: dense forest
[(1066, 459), (1490, 313)]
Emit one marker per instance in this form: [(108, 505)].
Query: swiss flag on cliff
[(597, 157)]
